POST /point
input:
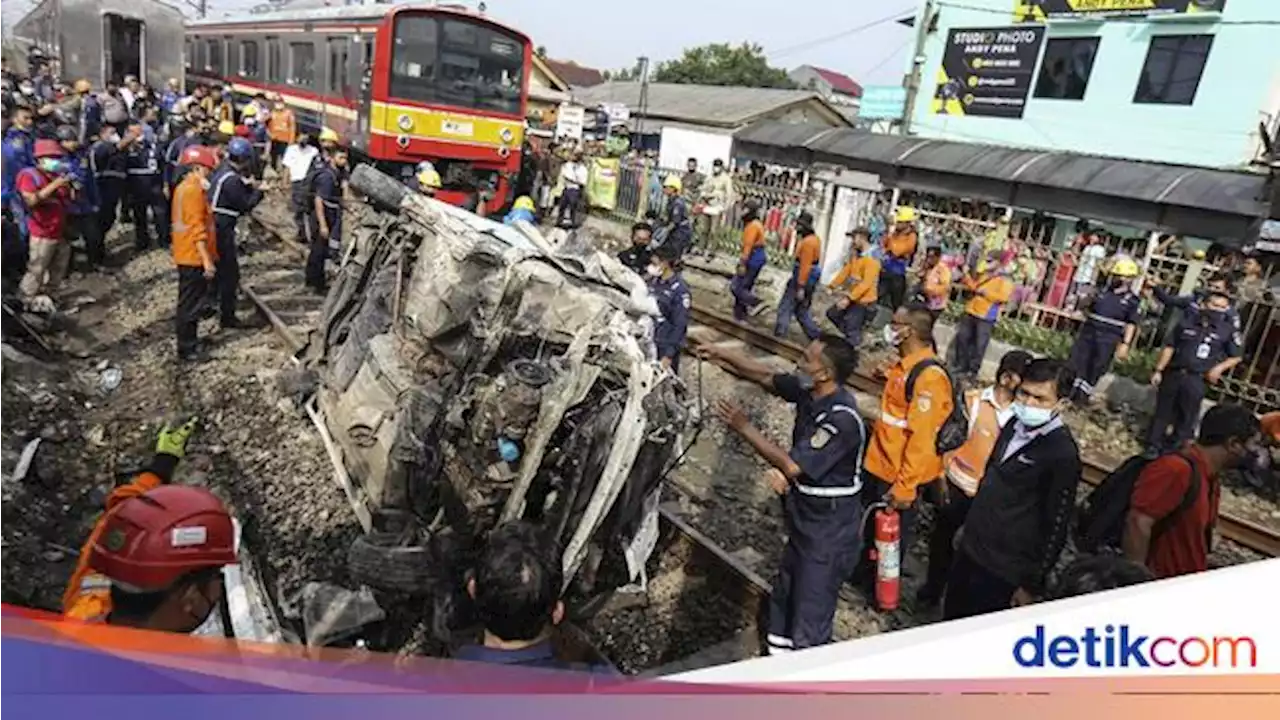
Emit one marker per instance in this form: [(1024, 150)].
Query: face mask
[(50, 165), (655, 271), (806, 380), (26, 89), (1032, 417), (890, 337)]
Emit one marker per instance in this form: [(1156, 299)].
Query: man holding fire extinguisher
[(819, 480)]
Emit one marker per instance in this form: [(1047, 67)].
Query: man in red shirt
[(46, 190), (1173, 509)]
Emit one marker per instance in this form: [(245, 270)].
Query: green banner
[(602, 183), (1042, 10)]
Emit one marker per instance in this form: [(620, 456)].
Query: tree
[(631, 74), (723, 64)]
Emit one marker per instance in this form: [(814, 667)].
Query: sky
[(605, 36)]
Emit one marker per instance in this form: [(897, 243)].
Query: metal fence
[(640, 193)]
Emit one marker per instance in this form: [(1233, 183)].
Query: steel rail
[(1243, 532)]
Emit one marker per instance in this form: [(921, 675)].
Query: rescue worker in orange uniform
[(936, 287), (988, 411), (797, 297), (902, 454), (750, 261), (282, 129), (154, 559), (854, 308), (194, 250), (899, 248), (991, 290)]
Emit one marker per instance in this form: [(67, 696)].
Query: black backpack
[(1101, 521), (955, 429)]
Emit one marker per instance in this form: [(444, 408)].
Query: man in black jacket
[(1019, 519)]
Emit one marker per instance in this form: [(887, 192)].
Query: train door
[(362, 75), (123, 48)]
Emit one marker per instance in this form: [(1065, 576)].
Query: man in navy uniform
[(1203, 347), (107, 159), (231, 194), (144, 164), (322, 223), (672, 293), (819, 480), (1111, 319)]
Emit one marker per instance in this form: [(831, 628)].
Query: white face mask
[(1032, 417), (655, 271), (890, 337)]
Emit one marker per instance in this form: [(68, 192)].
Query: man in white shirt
[(573, 180), (129, 92), (298, 159), (1091, 258)]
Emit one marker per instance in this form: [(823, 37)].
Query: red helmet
[(152, 540), (200, 155), (49, 148)]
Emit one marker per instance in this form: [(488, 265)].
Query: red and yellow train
[(400, 84)]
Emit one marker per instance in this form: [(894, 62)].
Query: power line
[(892, 55), (790, 49)]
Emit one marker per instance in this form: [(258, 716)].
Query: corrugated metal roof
[(725, 106), (1199, 201)]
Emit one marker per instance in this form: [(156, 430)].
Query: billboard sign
[(987, 72), (1042, 10)]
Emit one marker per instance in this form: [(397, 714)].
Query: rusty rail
[(1238, 530)]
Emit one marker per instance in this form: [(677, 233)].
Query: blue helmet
[(239, 149)]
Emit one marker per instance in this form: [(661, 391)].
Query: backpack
[(1102, 516), (955, 429), (114, 111)]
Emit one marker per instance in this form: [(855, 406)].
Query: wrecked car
[(471, 373)]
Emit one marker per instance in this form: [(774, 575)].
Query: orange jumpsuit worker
[(194, 249), (750, 262), (797, 297), (854, 308), (154, 559), (991, 290), (282, 129), (899, 248), (902, 454), (937, 281)]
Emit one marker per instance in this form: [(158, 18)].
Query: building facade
[(1176, 81)]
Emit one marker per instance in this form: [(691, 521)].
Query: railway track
[(1241, 531), (733, 595)]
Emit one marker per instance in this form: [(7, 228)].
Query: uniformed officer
[(1204, 346), (819, 480), (82, 212), (637, 256), (19, 139), (324, 222), (861, 274), (146, 187), (186, 135), (1111, 319), (677, 226), (107, 160), (231, 194), (672, 293)]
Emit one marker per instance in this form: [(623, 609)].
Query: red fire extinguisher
[(888, 558)]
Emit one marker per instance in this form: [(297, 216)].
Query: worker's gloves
[(173, 440)]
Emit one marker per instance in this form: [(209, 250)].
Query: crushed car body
[(471, 373)]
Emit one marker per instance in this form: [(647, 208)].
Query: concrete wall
[(1239, 87)]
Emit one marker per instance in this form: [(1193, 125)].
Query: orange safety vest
[(989, 295), (864, 274), (967, 463), (88, 593), (192, 222), (281, 126), (903, 450)]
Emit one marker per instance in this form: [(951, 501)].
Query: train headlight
[(507, 135), (504, 152), (402, 141), (405, 122)]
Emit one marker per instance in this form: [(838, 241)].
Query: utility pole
[(644, 97), (923, 22)]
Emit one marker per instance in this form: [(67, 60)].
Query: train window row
[(297, 63)]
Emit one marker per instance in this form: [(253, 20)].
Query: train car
[(399, 84), (101, 40)]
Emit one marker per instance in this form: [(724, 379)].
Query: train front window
[(456, 62)]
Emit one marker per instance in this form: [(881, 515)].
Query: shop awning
[(1224, 205)]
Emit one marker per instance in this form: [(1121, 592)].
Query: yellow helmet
[(905, 215), (328, 135), (82, 86), (429, 179), (226, 127), (673, 182), (249, 110), (1125, 267), (524, 202)]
